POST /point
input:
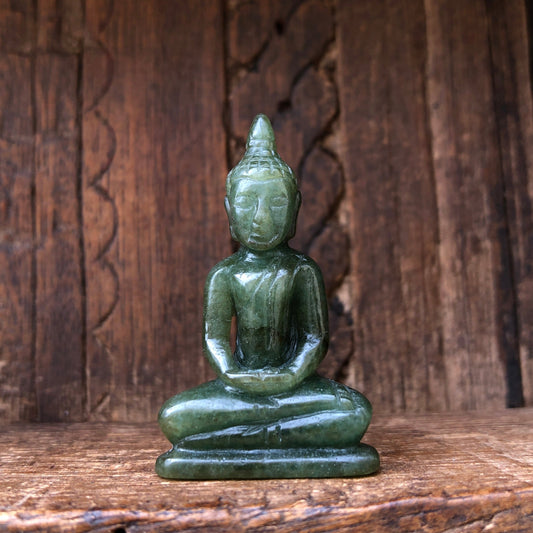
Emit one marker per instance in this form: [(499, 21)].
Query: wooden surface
[(513, 109), (58, 257), (403, 341), (154, 222), (409, 125), (432, 231), (17, 264), (462, 473)]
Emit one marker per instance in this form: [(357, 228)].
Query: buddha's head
[(262, 197)]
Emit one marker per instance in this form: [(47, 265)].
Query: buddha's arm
[(218, 312), (310, 308)]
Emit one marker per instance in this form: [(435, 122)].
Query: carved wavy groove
[(236, 76), (95, 184), (109, 70), (236, 67), (318, 142), (95, 181)]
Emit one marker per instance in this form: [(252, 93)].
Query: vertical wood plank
[(59, 290), (287, 70), (514, 118), (437, 173), (474, 269), (17, 27), (17, 398), (153, 186), (390, 192)]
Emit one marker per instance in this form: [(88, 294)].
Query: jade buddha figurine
[(268, 414)]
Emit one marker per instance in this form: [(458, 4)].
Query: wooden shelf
[(442, 472)]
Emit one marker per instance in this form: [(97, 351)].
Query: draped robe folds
[(281, 311)]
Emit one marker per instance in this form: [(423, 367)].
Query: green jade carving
[(268, 414)]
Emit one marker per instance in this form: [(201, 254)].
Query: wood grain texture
[(17, 27), (42, 268), (59, 314), (409, 125), (154, 172), (17, 399), (390, 200), (473, 250), (513, 108), (440, 473), (298, 37)]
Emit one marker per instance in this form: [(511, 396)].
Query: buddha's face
[(262, 214)]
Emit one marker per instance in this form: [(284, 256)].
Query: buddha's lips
[(261, 241)]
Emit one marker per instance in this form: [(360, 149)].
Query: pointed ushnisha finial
[(261, 134), (261, 160)]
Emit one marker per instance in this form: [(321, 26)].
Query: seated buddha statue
[(268, 414)]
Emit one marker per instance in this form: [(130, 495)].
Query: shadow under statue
[(268, 414)]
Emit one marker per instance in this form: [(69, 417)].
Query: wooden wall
[(409, 124)]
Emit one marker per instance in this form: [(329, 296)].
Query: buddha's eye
[(278, 201), (244, 202)]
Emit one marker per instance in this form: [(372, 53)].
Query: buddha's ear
[(296, 207), (298, 201), (228, 212)]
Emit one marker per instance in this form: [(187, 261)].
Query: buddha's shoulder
[(305, 264), (292, 261), (300, 265), (223, 269)]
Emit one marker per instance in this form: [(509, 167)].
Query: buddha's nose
[(261, 216)]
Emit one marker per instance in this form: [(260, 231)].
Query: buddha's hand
[(265, 381)]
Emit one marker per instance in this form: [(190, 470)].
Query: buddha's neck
[(251, 255)]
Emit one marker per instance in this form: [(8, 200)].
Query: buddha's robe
[(279, 302)]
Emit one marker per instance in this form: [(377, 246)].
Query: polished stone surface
[(268, 414), (358, 460)]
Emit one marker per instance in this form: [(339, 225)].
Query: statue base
[(180, 463)]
